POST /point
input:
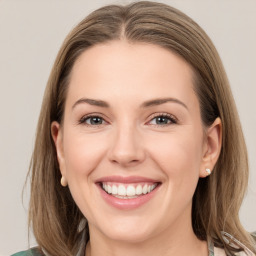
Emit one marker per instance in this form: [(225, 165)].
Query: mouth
[(127, 193)]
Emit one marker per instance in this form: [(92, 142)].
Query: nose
[(127, 147)]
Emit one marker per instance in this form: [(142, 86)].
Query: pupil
[(161, 120), (96, 120)]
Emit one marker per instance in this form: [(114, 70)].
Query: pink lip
[(126, 204), (121, 179)]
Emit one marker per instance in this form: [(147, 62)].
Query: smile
[(127, 191)]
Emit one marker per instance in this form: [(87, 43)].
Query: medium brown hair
[(55, 218)]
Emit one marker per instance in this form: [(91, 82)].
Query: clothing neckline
[(210, 247)]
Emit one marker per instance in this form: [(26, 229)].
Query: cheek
[(178, 158), (178, 155), (82, 153)]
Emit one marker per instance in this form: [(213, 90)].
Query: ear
[(212, 147), (57, 136)]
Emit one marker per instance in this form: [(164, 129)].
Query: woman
[(139, 148)]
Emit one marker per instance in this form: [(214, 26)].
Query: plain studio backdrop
[(31, 33)]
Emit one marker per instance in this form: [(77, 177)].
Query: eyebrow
[(150, 103), (98, 103), (160, 101)]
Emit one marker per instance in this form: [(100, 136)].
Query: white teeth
[(109, 188), (139, 190), (145, 189), (128, 191), (114, 190), (121, 190), (125, 197)]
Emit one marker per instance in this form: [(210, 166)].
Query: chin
[(131, 231), (134, 236)]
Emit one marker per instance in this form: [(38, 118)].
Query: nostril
[(125, 161), (126, 149)]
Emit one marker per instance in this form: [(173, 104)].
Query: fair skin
[(132, 118)]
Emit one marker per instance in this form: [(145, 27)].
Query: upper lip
[(128, 179)]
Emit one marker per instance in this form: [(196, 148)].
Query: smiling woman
[(139, 148)]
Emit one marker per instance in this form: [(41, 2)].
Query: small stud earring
[(208, 171), (63, 181)]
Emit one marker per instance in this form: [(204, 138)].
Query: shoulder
[(31, 252), (246, 251)]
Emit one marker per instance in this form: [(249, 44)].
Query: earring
[(208, 171), (63, 181)]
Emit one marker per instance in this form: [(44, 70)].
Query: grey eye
[(94, 120), (162, 120)]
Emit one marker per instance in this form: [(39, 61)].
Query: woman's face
[(132, 127)]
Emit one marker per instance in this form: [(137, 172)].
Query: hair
[(54, 216)]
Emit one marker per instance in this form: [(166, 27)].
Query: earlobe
[(212, 149), (56, 133)]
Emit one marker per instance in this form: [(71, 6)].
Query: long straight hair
[(57, 222)]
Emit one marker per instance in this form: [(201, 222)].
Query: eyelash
[(88, 117), (170, 118)]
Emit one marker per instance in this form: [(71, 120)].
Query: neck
[(171, 242)]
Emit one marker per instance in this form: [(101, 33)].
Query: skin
[(128, 141)]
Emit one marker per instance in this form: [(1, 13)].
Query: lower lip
[(127, 204)]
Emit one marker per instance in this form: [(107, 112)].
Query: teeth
[(128, 191), (139, 190), (121, 190), (145, 189), (125, 197), (114, 190)]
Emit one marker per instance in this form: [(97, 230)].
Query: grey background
[(31, 33)]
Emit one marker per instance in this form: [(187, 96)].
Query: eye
[(163, 119), (92, 120)]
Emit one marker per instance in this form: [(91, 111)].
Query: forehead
[(130, 69)]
